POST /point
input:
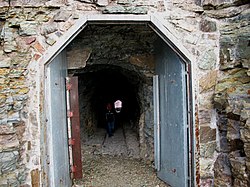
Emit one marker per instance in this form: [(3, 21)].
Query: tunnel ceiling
[(120, 45)]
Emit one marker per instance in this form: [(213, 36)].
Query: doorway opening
[(116, 63), (119, 61), (102, 84)]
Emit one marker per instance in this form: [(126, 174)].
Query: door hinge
[(69, 114), (71, 141), (73, 169), (68, 86)]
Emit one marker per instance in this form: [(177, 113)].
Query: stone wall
[(231, 98), (216, 33)]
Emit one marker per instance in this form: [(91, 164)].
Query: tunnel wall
[(216, 33)]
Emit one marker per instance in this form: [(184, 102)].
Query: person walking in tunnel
[(110, 118)]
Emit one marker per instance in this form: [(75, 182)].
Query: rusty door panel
[(75, 128)]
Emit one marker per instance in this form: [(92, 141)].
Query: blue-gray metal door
[(171, 135), (59, 174)]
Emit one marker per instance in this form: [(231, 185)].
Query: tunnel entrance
[(116, 62), (120, 61), (102, 84)]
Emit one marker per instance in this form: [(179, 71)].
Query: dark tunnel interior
[(102, 84)]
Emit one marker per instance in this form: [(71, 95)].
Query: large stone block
[(235, 145), (8, 161), (222, 122), (230, 92), (245, 134), (233, 129), (234, 44), (20, 129), (8, 142), (245, 113), (206, 168), (62, 16), (224, 147), (106, 2), (208, 60), (10, 46), (231, 80), (205, 104), (16, 72), (50, 40), (208, 81), (208, 25), (28, 28), (204, 116), (220, 101), (9, 179), (239, 171), (243, 49), (207, 149), (207, 134), (230, 12), (80, 56), (5, 61), (222, 171), (7, 129), (49, 28), (22, 59), (38, 46), (247, 150), (218, 4)]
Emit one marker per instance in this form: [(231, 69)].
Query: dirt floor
[(114, 162)]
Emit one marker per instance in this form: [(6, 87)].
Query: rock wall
[(231, 99), (216, 33)]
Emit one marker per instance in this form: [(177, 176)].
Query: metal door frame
[(155, 22), (52, 158)]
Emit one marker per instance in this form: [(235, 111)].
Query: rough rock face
[(231, 99), (216, 33)]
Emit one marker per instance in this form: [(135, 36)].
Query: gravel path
[(114, 162)]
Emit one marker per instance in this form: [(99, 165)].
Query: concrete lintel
[(118, 17)]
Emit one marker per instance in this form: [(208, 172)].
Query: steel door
[(59, 174), (172, 135), (74, 127)]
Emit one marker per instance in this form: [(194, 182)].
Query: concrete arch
[(155, 21)]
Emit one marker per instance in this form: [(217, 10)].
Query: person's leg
[(108, 128), (112, 127)]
